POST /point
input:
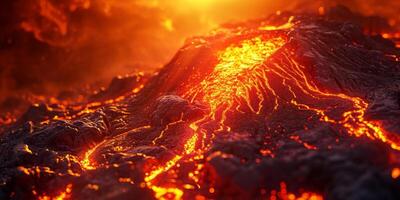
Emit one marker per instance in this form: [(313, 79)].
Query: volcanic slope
[(287, 107)]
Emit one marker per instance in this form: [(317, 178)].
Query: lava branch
[(160, 192), (86, 162), (352, 120)]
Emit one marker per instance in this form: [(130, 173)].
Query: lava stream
[(220, 90), (242, 74)]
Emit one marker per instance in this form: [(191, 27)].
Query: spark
[(168, 24), (395, 173)]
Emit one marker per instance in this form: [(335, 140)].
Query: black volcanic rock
[(118, 87), (172, 108)]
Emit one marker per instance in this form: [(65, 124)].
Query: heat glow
[(242, 82), (257, 72), (232, 79)]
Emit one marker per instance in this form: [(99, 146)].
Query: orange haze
[(47, 46)]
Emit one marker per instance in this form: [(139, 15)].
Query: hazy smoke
[(50, 45)]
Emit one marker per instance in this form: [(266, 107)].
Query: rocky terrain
[(293, 106)]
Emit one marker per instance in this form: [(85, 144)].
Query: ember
[(294, 106)]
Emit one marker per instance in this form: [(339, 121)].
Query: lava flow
[(241, 74), (232, 78), (290, 107)]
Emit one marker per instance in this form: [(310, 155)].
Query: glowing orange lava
[(395, 173), (238, 72), (232, 78), (85, 162), (395, 37), (66, 194), (241, 82), (283, 194)]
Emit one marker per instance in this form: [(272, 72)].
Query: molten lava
[(231, 81), (240, 69), (243, 72)]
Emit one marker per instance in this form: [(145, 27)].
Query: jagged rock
[(40, 112), (119, 86), (173, 108)]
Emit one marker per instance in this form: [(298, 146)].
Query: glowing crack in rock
[(86, 162), (283, 194), (66, 194)]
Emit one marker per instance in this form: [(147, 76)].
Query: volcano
[(290, 107)]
